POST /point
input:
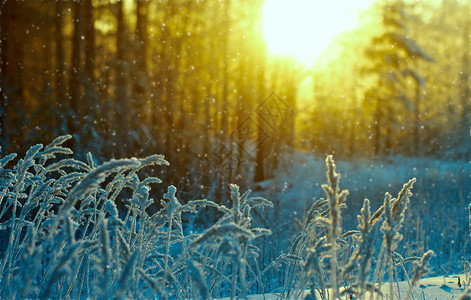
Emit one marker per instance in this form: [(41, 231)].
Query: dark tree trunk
[(140, 96), (49, 121), (75, 73), (141, 46), (11, 67), (123, 120), (89, 42), (225, 72), (180, 124), (289, 114), (261, 151), (4, 22), (241, 114), (59, 52)]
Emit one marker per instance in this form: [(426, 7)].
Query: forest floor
[(437, 217), (430, 288)]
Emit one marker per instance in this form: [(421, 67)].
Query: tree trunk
[(4, 22), (59, 49), (11, 85), (140, 88), (123, 121), (75, 73), (225, 73), (242, 112), (141, 45), (89, 42), (261, 151), (289, 114), (180, 122)]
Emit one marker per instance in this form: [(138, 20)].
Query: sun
[(305, 28)]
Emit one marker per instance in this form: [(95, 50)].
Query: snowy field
[(430, 288), (69, 239), (438, 214)]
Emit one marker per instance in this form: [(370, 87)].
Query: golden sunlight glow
[(305, 28)]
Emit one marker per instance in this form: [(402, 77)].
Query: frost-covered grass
[(64, 236), (437, 218)]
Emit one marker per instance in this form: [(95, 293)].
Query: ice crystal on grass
[(340, 262), (68, 238)]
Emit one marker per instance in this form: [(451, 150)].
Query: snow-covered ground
[(430, 288), (437, 218)]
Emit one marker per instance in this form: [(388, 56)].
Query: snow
[(437, 218), (439, 287)]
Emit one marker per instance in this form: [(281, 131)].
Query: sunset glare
[(305, 28)]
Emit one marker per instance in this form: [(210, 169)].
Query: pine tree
[(393, 55)]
